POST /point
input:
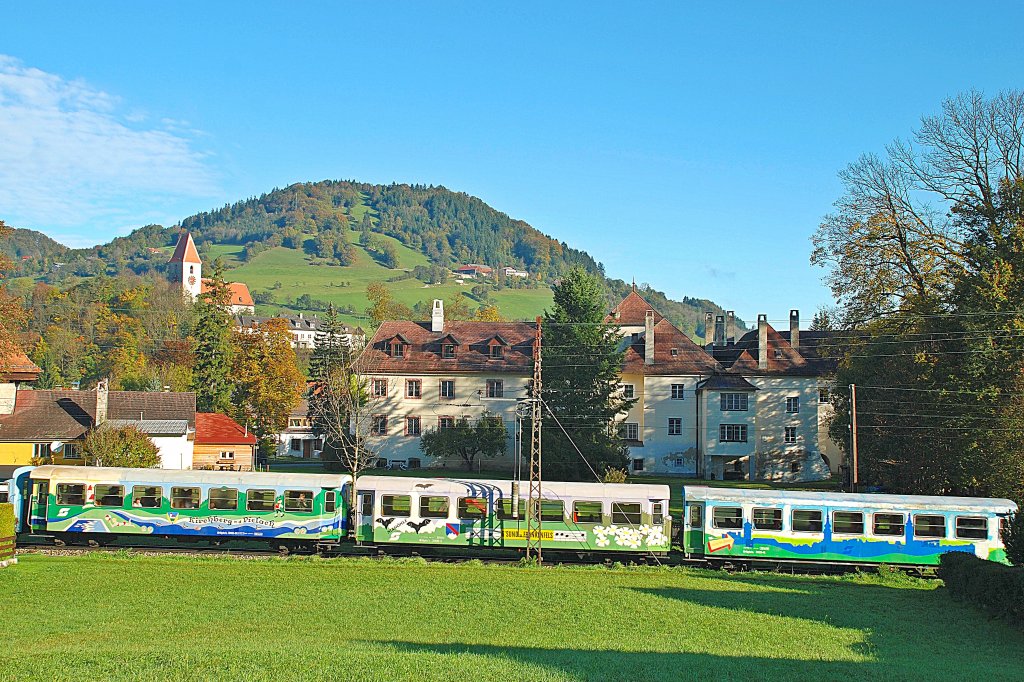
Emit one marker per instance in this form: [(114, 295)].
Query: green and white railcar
[(65, 501), (480, 513), (777, 525)]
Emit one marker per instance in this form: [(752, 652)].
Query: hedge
[(997, 588), (6, 531)]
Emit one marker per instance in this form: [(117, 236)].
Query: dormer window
[(397, 349), (778, 353), (496, 348), (675, 352), (497, 352), (448, 350)]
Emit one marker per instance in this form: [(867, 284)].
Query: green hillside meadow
[(346, 285), (142, 618)]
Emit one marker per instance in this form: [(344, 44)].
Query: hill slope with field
[(310, 244)]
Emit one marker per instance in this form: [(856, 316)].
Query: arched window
[(191, 269)]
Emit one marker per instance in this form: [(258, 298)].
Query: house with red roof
[(748, 407), (221, 443)]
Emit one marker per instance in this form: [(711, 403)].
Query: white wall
[(175, 451)]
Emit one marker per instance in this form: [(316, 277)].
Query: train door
[(693, 528), (364, 515), (38, 502)]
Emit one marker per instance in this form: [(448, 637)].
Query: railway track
[(673, 560)]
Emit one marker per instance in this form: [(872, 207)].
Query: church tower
[(186, 267)]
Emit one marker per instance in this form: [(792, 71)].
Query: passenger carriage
[(66, 501), (477, 513), (732, 524)]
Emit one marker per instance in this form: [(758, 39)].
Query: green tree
[(581, 364), (12, 313), (119, 447), (1013, 539), (213, 347), (465, 441), (266, 378)]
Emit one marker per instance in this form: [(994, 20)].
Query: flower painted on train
[(645, 529), (602, 541)]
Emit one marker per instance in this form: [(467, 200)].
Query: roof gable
[(220, 429), (632, 311), (185, 251)]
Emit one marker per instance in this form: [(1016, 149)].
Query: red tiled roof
[(66, 415), (219, 429), (185, 251), (239, 293), (689, 358), (742, 357), (423, 354), (17, 367), (632, 311)]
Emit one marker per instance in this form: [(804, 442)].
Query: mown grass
[(125, 617)]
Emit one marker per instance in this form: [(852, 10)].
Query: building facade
[(303, 329)]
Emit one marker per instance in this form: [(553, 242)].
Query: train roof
[(458, 486), (202, 477), (708, 493)]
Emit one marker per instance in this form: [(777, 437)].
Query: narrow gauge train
[(80, 505)]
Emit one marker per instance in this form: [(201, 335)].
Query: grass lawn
[(128, 617)]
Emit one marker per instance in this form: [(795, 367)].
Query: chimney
[(794, 328), (719, 330), (709, 329), (101, 401), (730, 327), (649, 338), (437, 316), (762, 341)]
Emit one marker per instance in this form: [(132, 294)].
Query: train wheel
[(283, 549)]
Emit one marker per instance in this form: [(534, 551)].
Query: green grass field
[(137, 618), (346, 286)]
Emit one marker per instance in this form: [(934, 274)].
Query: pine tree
[(581, 364), (213, 345)]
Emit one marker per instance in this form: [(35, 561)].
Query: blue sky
[(690, 146)]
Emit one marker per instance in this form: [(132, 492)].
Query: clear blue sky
[(689, 146)]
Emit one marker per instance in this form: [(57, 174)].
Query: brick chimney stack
[(102, 397), (719, 330), (762, 341), (794, 328), (730, 327), (437, 316), (709, 329), (649, 338)]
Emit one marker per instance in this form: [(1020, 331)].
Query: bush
[(997, 588), (1013, 539)]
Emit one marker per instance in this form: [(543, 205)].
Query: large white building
[(732, 408), (303, 329)]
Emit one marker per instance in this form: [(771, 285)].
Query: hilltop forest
[(354, 232)]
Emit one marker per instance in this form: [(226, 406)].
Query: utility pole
[(533, 522), (853, 437)]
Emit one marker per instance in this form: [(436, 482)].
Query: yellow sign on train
[(517, 534)]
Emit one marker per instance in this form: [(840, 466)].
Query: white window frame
[(732, 433), (735, 402), (678, 391), (440, 389), (789, 435), (495, 388), (628, 391), (675, 426), (793, 404)]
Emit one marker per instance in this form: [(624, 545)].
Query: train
[(289, 512)]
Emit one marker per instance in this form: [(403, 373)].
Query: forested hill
[(335, 223)]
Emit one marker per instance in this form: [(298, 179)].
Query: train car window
[(848, 523), (298, 500), (259, 500), (185, 498), (887, 524), (767, 518), (657, 513), (806, 521), (552, 510), (433, 507), (71, 493), (696, 516), (367, 508), (472, 507), (225, 499), (586, 512), (147, 496), (331, 502), (929, 526), (505, 509), (109, 495), (972, 527), (626, 513), (729, 518), (395, 505), (1004, 526)]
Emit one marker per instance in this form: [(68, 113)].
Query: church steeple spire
[(186, 267)]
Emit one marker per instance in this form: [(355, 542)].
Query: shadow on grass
[(612, 664)]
